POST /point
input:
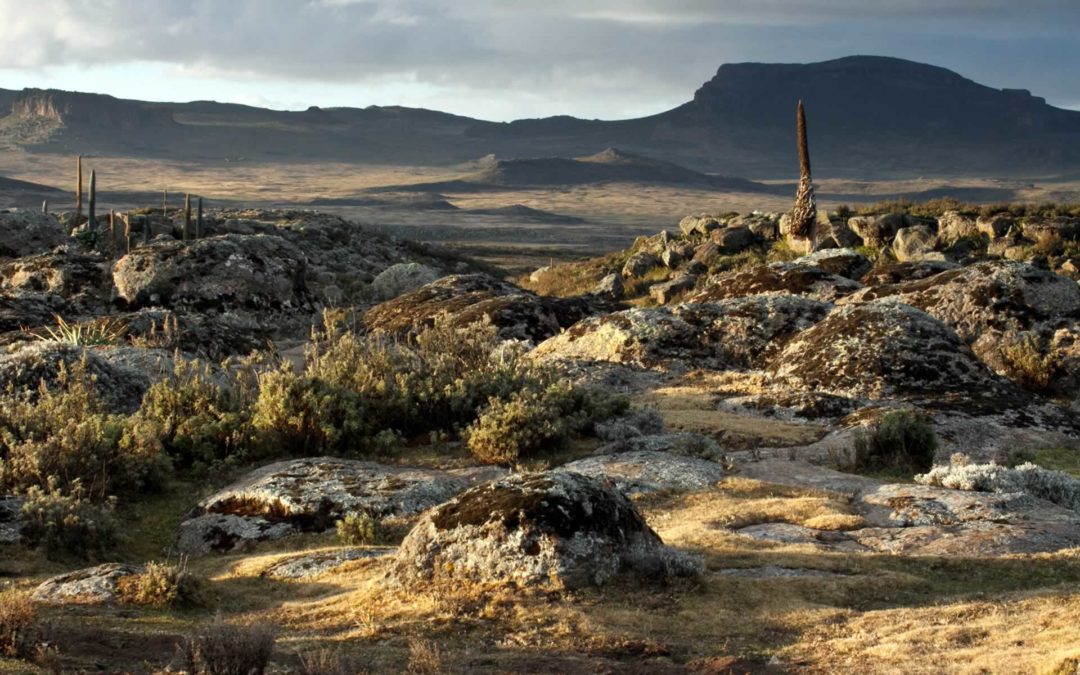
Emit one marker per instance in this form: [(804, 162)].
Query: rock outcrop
[(795, 278), (93, 585), (24, 233), (402, 278), (557, 529), (648, 471)]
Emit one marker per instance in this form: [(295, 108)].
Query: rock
[(887, 350), (696, 268), (669, 291), (311, 565), (536, 277), (699, 225), (24, 233), (66, 272), (633, 424), (93, 585), (740, 332), (840, 261), (732, 240), (809, 280), (23, 367), (25, 309), (557, 529), (610, 287), (648, 471), (465, 299), (10, 519), (402, 278), (952, 226), (994, 227), (836, 234), (877, 231), (310, 495), (1051, 234), (896, 273), (682, 443), (913, 243), (706, 253), (220, 273), (640, 264), (765, 226), (671, 257)]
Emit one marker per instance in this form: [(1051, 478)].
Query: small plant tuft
[(903, 441), (359, 529), (220, 648)]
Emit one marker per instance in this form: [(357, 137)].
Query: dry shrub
[(424, 658), (220, 648), (67, 523), (1025, 362), (164, 585), (328, 662), (21, 631), (359, 529)]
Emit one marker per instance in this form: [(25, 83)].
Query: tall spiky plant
[(187, 216), (78, 189), (91, 216), (199, 220), (804, 214)]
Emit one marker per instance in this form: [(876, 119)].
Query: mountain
[(869, 117)]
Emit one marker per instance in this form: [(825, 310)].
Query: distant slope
[(869, 117)]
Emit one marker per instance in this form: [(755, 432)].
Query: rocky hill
[(869, 117)]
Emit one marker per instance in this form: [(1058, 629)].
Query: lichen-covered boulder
[(995, 227), (733, 240), (248, 272), (28, 309), (556, 529), (610, 287), (840, 261), (914, 243), (24, 233), (887, 350), (649, 471), (953, 226), (66, 272), (669, 291), (640, 264), (462, 300), (877, 231), (735, 333), (310, 495), (895, 273), (24, 366), (402, 278), (793, 278), (703, 224), (93, 585)]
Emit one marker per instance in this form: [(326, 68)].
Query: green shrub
[(297, 414), (535, 419), (164, 585), (68, 524), (902, 440), (359, 529), (220, 648), (65, 433)]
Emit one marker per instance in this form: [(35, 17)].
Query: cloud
[(602, 57)]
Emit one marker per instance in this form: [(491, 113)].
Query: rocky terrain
[(724, 449)]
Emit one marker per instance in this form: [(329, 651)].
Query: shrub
[(302, 415), (424, 658), (67, 523), (66, 434), (359, 529), (327, 662), (1025, 363), (219, 648), (960, 474), (164, 585), (193, 417), (534, 419), (902, 440), (20, 629), (99, 332)]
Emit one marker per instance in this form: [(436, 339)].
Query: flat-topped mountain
[(868, 117)]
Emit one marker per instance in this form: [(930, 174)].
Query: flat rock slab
[(93, 585), (311, 565), (775, 572), (310, 495), (789, 533), (649, 471)]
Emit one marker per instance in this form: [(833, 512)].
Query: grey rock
[(93, 585), (706, 253), (641, 422), (995, 227), (311, 565), (671, 257), (610, 287), (402, 278), (843, 262), (28, 232), (640, 264), (953, 226), (227, 533), (733, 240), (10, 519), (683, 443), (670, 290), (913, 243), (794, 278), (877, 231), (649, 471)]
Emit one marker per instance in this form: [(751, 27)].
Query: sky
[(510, 59)]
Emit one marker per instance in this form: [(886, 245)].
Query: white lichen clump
[(960, 474)]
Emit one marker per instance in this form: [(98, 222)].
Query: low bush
[(164, 585), (359, 529), (21, 631), (1025, 363), (68, 524), (535, 419), (328, 662), (961, 474), (220, 648), (902, 441)]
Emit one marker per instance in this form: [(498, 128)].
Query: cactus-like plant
[(199, 220), (165, 205), (146, 229), (112, 231), (78, 189), (187, 216), (127, 232), (45, 207), (804, 214), (91, 219)]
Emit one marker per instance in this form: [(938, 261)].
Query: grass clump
[(100, 332), (359, 529), (961, 474), (21, 630), (220, 648), (1026, 363), (164, 585), (903, 441)]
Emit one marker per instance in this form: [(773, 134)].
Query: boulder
[(1052, 234), (610, 287), (707, 252), (24, 366), (734, 333), (793, 278), (953, 226), (887, 350), (10, 519), (310, 495), (836, 234), (671, 257), (640, 264), (66, 272), (699, 225), (465, 299), (648, 471), (913, 243), (402, 278), (671, 290), (24, 233), (221, 273), (840, 261), (877, 231), (732, 240), (28, 309), (553, 530), (764, 226), (995, 227), (93, 585)]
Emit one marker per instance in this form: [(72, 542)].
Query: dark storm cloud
[(634, 53)]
